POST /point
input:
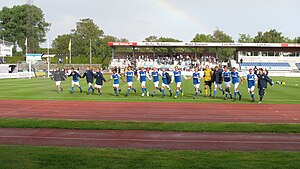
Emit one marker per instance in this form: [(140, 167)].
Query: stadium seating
[(267, 65), (298, 65)]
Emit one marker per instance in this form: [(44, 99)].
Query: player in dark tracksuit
[(75, 80), (89, 79), (217, 80), (263, 81), (99, 81), (58, 76)]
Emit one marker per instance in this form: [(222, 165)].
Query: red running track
[(151, 111), (151, 139)]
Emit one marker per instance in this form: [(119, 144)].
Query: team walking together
[(213, 81)]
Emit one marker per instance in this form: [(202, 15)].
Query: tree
[(86, 30), (271, 36), (203, 38), (245, 38), (61, 44), (217, 36), (21, 22)]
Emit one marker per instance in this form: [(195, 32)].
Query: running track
[(151, 139), (149, 111), (159, 112)]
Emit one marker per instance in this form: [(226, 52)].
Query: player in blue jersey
[(227, 81), (178, 80), (89, 74), (142, 77), (116, 77), (155, 77), (196, 81), (129, 74), (251, 79), (235, 77), (166, 81), (75, 80)]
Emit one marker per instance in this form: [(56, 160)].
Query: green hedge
[(54, 60)]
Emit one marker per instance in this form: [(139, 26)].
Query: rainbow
[(179, 12)]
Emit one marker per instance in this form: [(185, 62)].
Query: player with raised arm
[(142, 77), (217, 80), (251, 79), (89, 74), (166, 81), (235, 77), (227, 81), (196, 81), (75, 80), (99, 81), (129, 74), (207, 80), (155, 77), (178, 80), (263, 81), (116, 77)]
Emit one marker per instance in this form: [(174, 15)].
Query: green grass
[(151, 126), (27, 157), (44, 89)]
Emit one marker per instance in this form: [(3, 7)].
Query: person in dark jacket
[(75, 80), (217, 80), (263, 81), (99, 81), (58, 76), (89, 74)]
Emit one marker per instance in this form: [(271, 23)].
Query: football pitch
[(33, 156), (45, 89)]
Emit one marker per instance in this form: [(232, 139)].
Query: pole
[(30, 74), (48, 59), (90, 52), (70, 49)]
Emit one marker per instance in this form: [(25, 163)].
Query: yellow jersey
[(208, 75)]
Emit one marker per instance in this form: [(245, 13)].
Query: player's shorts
[(227, 84), (217, 85), (207, 83), (196, 86), (98, 86), (90, 84), (165, 85), (178, 84), (251, 88), (57, 83), (143, 83), (129, 84), (75, 83), (236, 85), (156, 84), (116, 85)]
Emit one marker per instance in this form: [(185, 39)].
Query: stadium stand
[(268, 65), (167, 61)]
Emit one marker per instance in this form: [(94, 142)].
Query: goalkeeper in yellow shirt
[(207, 80)]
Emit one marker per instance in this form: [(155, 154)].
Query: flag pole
[(90, 52), (70, 49), (48, 58)]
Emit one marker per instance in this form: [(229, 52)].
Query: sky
[(181, 19)]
